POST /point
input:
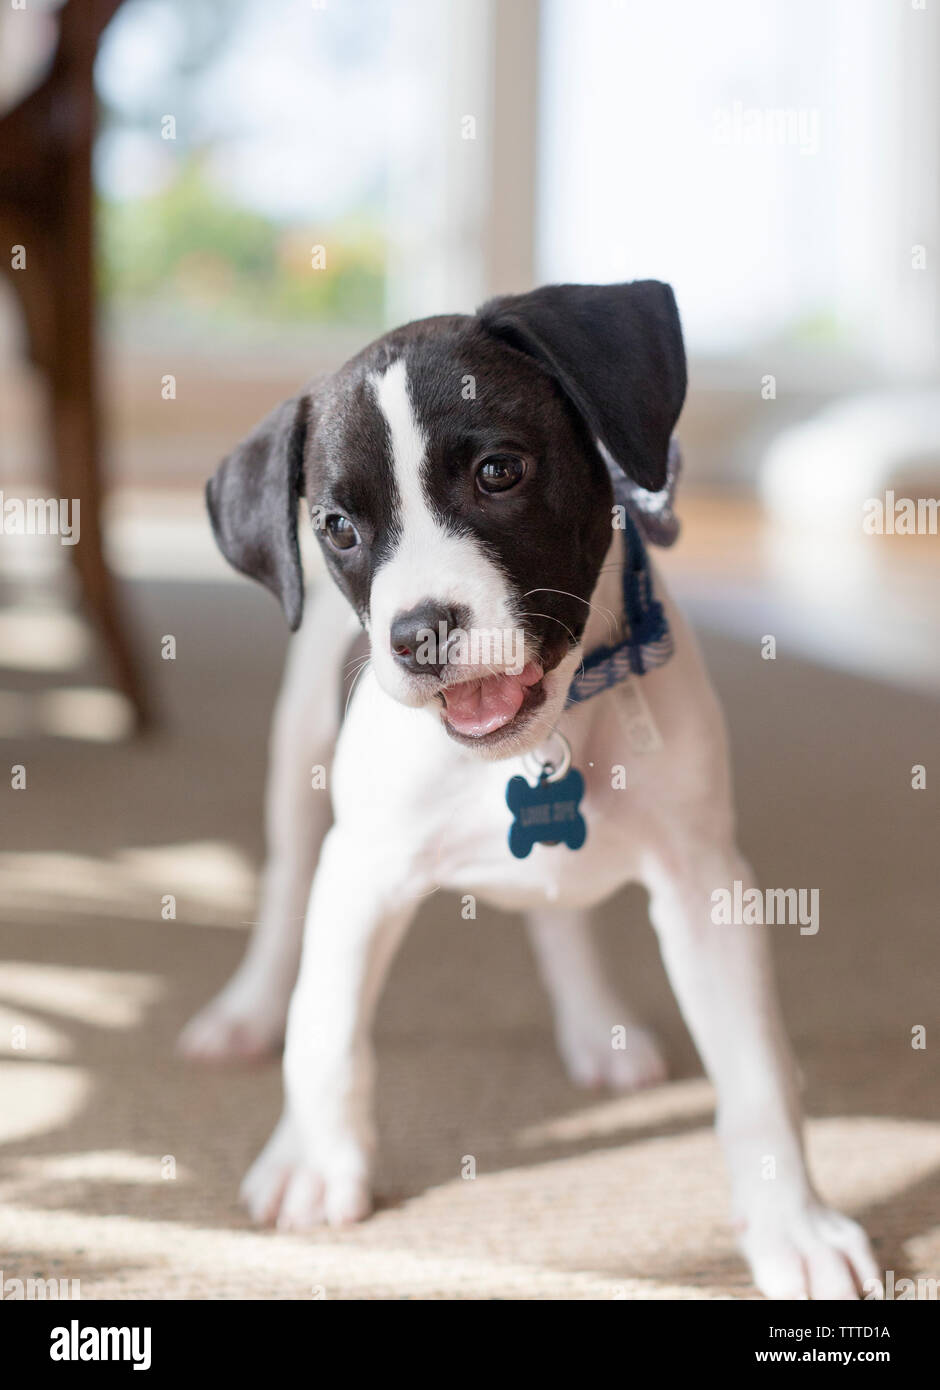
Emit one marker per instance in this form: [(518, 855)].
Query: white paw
[(281, 1190), (814, 1253), (599, 1051), (243, 1023)]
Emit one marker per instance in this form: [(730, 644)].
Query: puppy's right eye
[(500, 472), (340, 532)]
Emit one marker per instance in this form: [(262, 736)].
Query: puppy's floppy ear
[(253, 499), (617, 352)]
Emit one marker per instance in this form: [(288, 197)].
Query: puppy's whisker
[(594, 607), (552, 619), (352, 678), (574, 640), (353, 686)]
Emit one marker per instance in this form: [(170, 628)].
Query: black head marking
[(617, 352), (540, 377)]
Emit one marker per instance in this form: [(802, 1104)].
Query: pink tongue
[(478, 707)]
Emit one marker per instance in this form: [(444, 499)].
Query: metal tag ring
[(550, 770)]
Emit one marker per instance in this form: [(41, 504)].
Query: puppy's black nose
[(419, 638)]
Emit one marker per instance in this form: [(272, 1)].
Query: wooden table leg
[(50, 205)]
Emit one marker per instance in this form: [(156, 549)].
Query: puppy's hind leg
[(600, 1041), (246, 1020)]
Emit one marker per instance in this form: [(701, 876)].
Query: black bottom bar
[(253, 1339)]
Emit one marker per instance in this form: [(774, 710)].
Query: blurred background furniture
[(46, 207)]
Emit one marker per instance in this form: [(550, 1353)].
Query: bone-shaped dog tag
[(548, 813)]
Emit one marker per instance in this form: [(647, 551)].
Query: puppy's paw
[(281, 1190), (243, 1023), (602, 1052), (814, 1253), (311, 1200)]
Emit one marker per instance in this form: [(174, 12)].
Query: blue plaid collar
[(646, 640)]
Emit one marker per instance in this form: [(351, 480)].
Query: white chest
[(442, 815)]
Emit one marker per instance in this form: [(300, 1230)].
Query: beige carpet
[(119, 1165)]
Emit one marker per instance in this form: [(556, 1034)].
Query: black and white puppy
[(458, 472)]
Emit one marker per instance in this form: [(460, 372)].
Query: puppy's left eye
[(500, 472), (340, 532)]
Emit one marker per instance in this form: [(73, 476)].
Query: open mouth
[(484, 710)]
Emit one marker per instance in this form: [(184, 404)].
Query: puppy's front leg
[(721, 974), (317, 1165), (246, 1020)]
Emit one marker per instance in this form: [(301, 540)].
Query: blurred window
[(777, 162), (235, 139)]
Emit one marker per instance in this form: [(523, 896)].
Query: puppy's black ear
[(617, 352), (253, 499)]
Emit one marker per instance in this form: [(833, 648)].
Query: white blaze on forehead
[(428, 562), (406, 436)]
